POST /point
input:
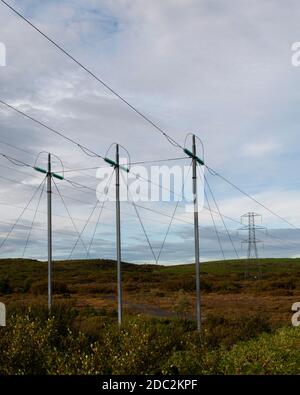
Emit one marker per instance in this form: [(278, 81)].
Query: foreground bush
[(34, 343), (278, 353)]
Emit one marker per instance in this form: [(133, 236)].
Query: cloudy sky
[(220, 69)]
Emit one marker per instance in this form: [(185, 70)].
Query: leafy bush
[(269, 354), (35, 342)]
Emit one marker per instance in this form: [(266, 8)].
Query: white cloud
[(221, 69), (260, 149)]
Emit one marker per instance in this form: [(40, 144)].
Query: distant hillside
[(268, 286)]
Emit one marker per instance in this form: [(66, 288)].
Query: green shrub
[(66, 342), (269, 354)]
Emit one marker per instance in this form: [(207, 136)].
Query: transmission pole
[(118, 235), (251, 241), (49, 176), (195, 161), (196, 236), (49, 224), (116, 164)]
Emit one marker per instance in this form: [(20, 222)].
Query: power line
[(69, 214), (224, 223), (139, 216), (15, 170), (82, 231), (214, 173), (74, 185), (35, 155), (215, 227), (84, 202), (175, 218), (31, 186), (86, 150), (144, 230), (131, 163), (82, 186), (172, 217), (43, 212), (17, 148), (167, 232), (88, 220), (38, 227), (127, 214), (109, 88), (17, 162), (278, 238), (20, 216), (96, 226), (77, 185), (83, 148), (145, 162), (14, 161), (33, 219)]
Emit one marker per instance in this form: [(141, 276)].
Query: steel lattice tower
[(251, 228)]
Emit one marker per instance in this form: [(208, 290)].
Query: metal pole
[(196, 234), (49, 202), (118, 232)]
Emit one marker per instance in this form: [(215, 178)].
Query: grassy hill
[(270, 287), (246, 321)]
